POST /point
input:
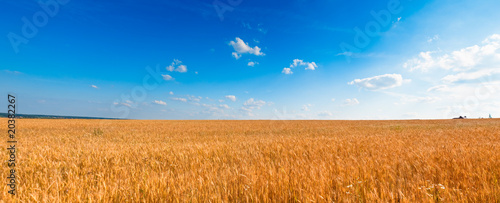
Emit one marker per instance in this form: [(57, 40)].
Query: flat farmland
[(71, 160)]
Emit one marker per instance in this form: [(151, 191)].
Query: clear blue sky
[(256, 59)]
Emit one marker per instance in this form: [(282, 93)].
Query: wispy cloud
[(179, 99), (379, 82), (224, 106), (231, 97), (159, 102), (459, 60), (351, 102), (167, 77), (13, 72)]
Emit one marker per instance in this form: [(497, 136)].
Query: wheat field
[(255, 161)]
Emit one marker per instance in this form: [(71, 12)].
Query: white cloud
[(180, 99), (379, 82), (236, 55), (411, 115), (431, 39), (167, 77), (180, 68), (459, 60), (301, 63), (224, 106), (194, 98), (171, 93), (333, 100), (351, 102), (470, 76), (252, 63), (240, 47), (408, 98), (439, 88), (231, 97), (93, 86), (125, 104), (220, 100), (13, 72), (253, 104), (325, 114), (287, 71), (416, 99), (160, 102), (306, 107)]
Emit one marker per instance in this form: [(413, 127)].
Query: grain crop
[(73, 160)]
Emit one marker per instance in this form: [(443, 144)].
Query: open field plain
[(255, 161)]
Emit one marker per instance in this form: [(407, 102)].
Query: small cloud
[(307, 65), (194, 98), (379, 82), (181, 68), (236, 55), (231, 97), (253, 104), (13, 72), (411, 115), (122, 104), (177, 66), (159, 102), (347, 53), (224, 106), (167, 77), (439, 88), (171, 93), (470, 76), (252, 64), (333, 100), (180, 99), (351, 102), (306, 107), (325, 114), (247, 25), (431, 39), (220, 100), (240, 47), (410, 98), (287, 71), (93, 86)]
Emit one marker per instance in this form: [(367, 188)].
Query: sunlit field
[(255, 161)]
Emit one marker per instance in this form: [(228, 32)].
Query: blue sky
[(252, 59)]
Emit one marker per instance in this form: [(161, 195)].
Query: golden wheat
[(255, 161)]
